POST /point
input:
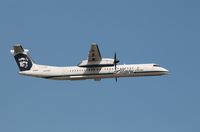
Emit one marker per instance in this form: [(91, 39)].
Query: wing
[(94, 53)]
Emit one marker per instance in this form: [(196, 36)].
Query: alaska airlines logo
[(128, 71), (23, 62)]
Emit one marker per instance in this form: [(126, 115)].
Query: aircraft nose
[(164, 70)]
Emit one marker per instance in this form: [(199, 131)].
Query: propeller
[(116, 79), (115, 63)]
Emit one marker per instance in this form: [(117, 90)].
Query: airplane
[(95, 67)]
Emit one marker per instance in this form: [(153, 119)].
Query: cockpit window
[(156, 65)]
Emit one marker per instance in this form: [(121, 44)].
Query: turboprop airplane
[(95, 67)]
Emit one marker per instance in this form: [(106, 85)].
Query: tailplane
[(22, 58)]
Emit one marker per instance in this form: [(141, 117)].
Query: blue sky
[(59, 32)]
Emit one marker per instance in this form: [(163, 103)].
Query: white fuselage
[(96, 73)]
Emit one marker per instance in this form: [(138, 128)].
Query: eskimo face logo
[(23, 62)]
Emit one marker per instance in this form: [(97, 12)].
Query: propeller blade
[(115, 63), (115, 60)]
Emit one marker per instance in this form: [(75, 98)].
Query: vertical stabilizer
[(22, 58)]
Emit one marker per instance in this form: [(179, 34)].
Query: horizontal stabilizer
[(18, 49)]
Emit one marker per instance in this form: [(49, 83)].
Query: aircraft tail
[(22, 58)]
